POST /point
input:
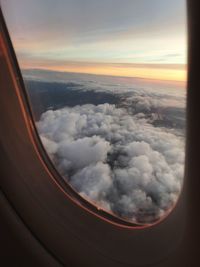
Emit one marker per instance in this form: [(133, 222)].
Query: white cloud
[(93, 181), (115, 157), (84, 151)]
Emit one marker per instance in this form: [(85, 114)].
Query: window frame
[(37, 192)]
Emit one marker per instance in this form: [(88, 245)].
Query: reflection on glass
[(106, 80)]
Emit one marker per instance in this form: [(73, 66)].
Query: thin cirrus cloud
[(55, 33)]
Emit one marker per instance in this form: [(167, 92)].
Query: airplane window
[(107, 85)]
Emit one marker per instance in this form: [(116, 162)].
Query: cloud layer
[(116, 157)]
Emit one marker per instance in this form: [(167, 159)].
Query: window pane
[(107, 84)]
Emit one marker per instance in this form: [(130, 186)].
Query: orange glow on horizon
[(144, 71)]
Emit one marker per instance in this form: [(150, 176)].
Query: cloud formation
[(115, 156)]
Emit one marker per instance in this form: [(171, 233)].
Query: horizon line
[(107, 75)]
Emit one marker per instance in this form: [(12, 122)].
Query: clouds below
[(115, 157)]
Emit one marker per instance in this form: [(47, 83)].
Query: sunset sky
[(134, 38)]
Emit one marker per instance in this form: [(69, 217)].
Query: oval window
[(107, 85)]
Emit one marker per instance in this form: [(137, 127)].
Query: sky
[(133, 38)]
